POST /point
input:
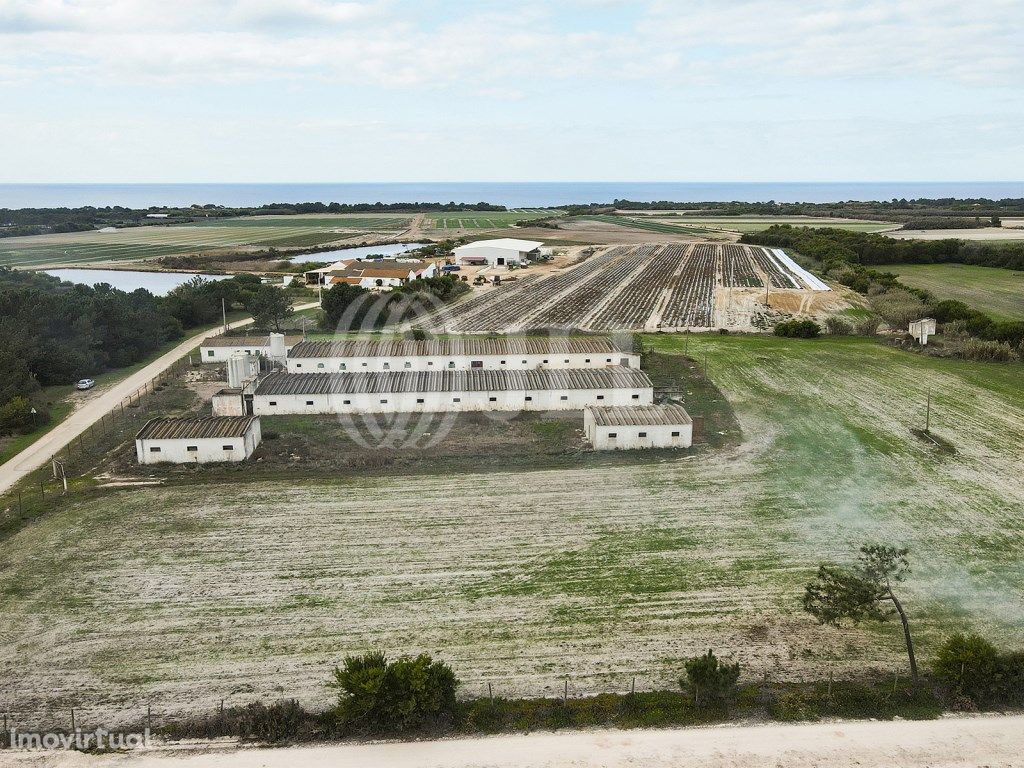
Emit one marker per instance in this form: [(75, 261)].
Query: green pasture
[(999, 292)]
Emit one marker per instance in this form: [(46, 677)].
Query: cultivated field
[(255, 588), (484, 219), (999, 292), (650, 286), (744, 224), (986, 234), (134, 243)]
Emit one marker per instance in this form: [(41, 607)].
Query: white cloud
[(387, 43)]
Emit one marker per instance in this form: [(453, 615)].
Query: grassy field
[(1000, 292), (743, 224), (485, 219), (255, 588), (151, 241)]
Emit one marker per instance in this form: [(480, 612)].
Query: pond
[(326, 257), (157, 283)]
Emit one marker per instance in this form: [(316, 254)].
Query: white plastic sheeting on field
[(812, 282)]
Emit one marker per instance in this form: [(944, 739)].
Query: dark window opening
[(192, 448), (154, 450)]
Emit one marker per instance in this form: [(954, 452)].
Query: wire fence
[(54, 478)]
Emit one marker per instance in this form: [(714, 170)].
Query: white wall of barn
[(494, 256), (413, 402), (207, 449), (636, 436), (507, 362)]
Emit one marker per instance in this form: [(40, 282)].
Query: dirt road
[(92, 409), (993, 741)]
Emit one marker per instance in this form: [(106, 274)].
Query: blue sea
[(511, 194)]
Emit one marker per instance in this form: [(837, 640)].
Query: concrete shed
[(652, 426), (434, 391), (198, 440), (500, 252), (460, 354), (219, 349)]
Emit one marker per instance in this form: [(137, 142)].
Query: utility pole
[(224, 312), (928, 413), (767, 282)]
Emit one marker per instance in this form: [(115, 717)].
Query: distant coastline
[(511, 194)]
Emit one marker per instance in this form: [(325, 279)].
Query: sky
[(563, 90)]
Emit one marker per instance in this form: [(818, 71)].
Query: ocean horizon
[(510, 194)]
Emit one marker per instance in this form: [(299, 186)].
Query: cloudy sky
[(416, 90)]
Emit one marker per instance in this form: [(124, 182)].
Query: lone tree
[(861, 591), (269, 306)]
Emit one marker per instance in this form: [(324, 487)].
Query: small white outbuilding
[(197, 440), (497, 253), (650, 426)]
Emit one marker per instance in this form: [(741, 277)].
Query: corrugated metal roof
[(196, 429), (246, 341), (641, 415), (449, 381), (505, 345)]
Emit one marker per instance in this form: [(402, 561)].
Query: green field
[(648, 225), (999, 292), (254, 588), (134, 243), (744, 224), (486, 219)]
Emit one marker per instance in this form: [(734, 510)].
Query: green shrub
[(837, 326), (868, 326), (16, 416), (281, 721), (378, 696), (709, 680), (800, 329)]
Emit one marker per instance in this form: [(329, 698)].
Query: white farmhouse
[(433, 391), (461, 354), (220, 349), (497, 253), (653, 426), (197, 441)]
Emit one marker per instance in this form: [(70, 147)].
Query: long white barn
[(505, 353), (431, 391)]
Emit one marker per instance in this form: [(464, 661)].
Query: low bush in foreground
[(799, 329)]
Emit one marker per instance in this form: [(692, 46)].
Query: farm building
[(220, 349), (379, 274), (506, 353), (652, 426), (431, 391), (197, 441), (497, 253)]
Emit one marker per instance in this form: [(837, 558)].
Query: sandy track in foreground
[(992, 741)]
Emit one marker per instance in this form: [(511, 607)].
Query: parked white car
[(85, 384)]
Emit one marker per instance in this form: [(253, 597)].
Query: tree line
[(54, 332), (17, 222)]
